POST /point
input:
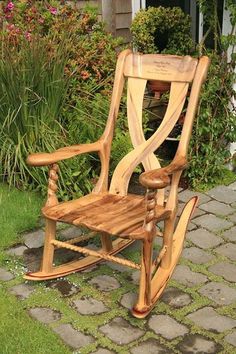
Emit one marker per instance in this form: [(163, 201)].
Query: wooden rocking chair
[(113, 211)]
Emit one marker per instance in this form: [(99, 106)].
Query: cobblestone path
[(89, 311)]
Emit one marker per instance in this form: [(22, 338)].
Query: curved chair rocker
[(113, 211)]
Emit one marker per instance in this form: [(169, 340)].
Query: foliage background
[(56, 68)]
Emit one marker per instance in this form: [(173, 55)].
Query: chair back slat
[(160, 67), (144, 149)]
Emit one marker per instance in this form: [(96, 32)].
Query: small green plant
[(162, 30)]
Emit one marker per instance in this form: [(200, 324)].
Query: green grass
[(22, 335), (19, 334), (19, 212)]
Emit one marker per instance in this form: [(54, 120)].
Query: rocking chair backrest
[(138, 68)]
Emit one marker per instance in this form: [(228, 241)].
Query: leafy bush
[(56, 68), (215, 125), (162, 30)]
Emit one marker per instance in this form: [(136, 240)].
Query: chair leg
[(106, 243), (48, 251), (144, 300), (168, 242)]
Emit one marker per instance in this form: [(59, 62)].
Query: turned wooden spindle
[(150, 209), (52, 185)]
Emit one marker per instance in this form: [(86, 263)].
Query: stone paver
[(44, 315), (196, 344), (215, 214), (23, 291), (120, 331), (176, 298), (230, 234), (203, 238), (5, 275), (217, 208), (220, 293), (72, 337), (135, 276), (223, 194), (226, 270), (150, 346), (197, 255), (232, 186), (103, 351), (209, 319), (232, 218), (34, 239), (70, 232), (64, 287), (191, 226), (105, 283), (128, 300), (166, 326), (187, 194), (16, 251), (212, 223), (197, 211), (227, 250), (118, 267), (184, 275), (90, 306), (231, 338)]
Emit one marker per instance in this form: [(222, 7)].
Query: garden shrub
[(215, 124), (56, 69), (162, 30)]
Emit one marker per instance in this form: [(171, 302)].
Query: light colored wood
[(161, 276), (113, 211), (44, 159), (161, 67), (113, 214), (125, 168), (52, 186), (106, 242), (48, 251), (117, 246), (104, 256)]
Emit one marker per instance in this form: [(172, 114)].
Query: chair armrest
[(44, 159), (159, 178)]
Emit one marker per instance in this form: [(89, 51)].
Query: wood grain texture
[(161, 67), (112, 210), (159, 178), (123, 216)]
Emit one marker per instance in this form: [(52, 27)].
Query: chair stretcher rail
[(89, 252)]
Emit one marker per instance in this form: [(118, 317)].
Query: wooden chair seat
[(109, 209), (113, 214)]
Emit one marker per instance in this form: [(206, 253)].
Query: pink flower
[(28, 36), (53, 10), (10, 6), (11, 27)]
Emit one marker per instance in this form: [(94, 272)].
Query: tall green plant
[(32, 91), (48, 87), (215, 125)]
